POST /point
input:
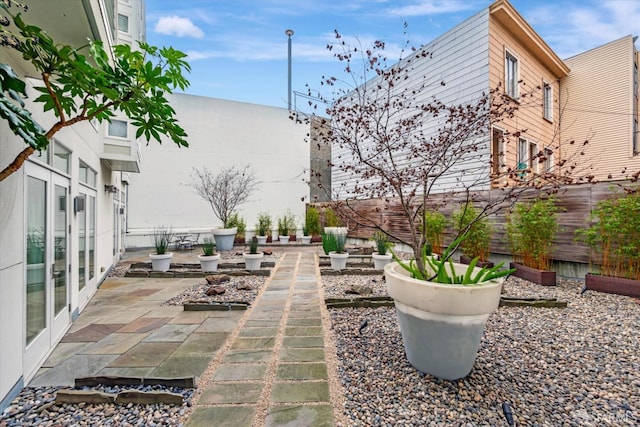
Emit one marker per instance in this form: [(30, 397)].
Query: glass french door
[(86, 217), (47, 262)]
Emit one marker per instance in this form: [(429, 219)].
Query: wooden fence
[(575, 203)]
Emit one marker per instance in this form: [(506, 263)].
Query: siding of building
[(459, 59), (599, 103), (533, 74)]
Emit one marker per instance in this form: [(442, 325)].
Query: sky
[(238, 49)]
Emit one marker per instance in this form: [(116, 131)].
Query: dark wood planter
[(541, 277), (239, 241), (467, 260), (292, 237), (316, 239), (612, 285), (269, 239)]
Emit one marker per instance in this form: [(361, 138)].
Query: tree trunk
[(17, 163)]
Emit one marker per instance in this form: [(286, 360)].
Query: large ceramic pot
[(441, 325), (224, 238), (338, 260), (209, 262), (305, 240), (161, 262), (380, 261), (252, 261), (262, 239)]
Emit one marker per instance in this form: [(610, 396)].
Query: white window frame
[(500, 158), (128, 18), (547, 101), (548, 163), (110, 135), (522, 157), (511, 86), (533, 159)]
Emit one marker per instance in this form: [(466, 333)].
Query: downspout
[(559, 120)]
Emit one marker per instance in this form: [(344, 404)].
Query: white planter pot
[(161, 262), (338, 261), (283, 239), (379, 261), (306, 240), (209, 263), (441, 325), (224, 238), (261, 240), (252, 261)]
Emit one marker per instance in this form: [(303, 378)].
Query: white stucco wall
[(221, 133)]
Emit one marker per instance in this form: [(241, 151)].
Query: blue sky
[(238, 48)]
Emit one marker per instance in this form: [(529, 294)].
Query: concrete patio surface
[(263, 366)]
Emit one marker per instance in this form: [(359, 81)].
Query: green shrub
[(614, 237), (312, 221), (434, 225), (263, 227), (477, 231), (235, 220), (287, 224), (530, 230), (331, 219)]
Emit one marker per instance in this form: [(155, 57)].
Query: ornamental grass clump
[(531, 229), (162, 237), (614, 237), (208, 246)]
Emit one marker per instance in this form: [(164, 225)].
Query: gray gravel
[(578, 366), (232, 292)]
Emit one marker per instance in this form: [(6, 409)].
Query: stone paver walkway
[(273, 370)]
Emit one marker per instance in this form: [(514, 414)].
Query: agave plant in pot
[(161, 259), (253, 258), (382, 256), (225, 191), (401, 146), (209, 258)]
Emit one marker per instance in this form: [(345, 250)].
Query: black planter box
[(541, 277), (467, 260), (612, 285)]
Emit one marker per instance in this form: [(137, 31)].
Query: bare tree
[(225, 190), (395, 142)]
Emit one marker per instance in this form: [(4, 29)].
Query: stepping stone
[(300, 415)]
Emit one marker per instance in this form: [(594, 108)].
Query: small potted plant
[(237, 222), (466, 220), (382, 256), (263, 228), (209, 258), (531, 229), (312, 224), (339, 255), (286, 226), (161, 259), (253, 258)]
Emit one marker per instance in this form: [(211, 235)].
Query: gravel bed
[(36, 407), (578, 366), (335, 286), (232, 293)]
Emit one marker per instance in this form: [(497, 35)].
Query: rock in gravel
[(359, 290), (243, 286), (217, 279), (215, 290)]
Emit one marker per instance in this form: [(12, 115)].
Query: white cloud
[(432, 7), (177, 26)]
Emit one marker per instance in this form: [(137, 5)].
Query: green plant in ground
[(330, 218), (253, 245), (263, 227), (208, 246), (162, 237), (530, 230), (382, 242), (287, 224), (235, 220), (466, 220), (83, 84), (614, 236), (312, 222), (442, 270), (433, 227)]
